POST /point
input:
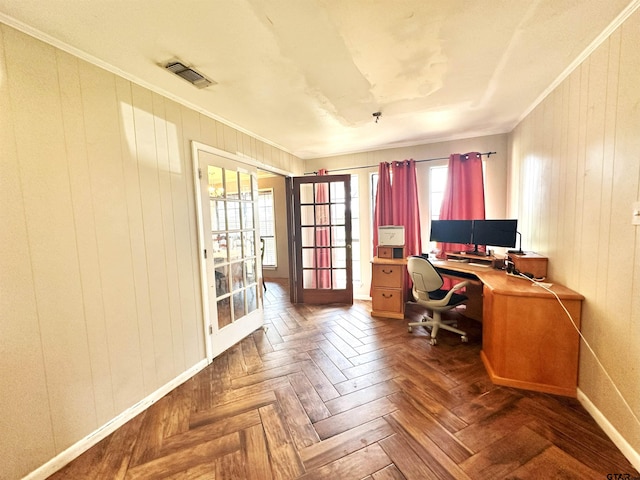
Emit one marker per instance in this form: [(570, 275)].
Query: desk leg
[(474, 304)]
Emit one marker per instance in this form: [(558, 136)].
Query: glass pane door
[(233, 303), (321, 208), (233, 233)]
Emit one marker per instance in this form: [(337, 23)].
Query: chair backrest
[(424, 276)]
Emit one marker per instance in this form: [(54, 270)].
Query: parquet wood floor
[(332, 393)]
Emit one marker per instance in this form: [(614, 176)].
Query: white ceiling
[(306, 75)]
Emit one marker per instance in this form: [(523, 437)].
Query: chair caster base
[(432, 339)]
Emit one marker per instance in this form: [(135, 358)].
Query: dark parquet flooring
[(332, 393)]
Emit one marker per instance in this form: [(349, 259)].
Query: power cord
[(573, 323)]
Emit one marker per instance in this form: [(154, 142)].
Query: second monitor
[(495, 233)]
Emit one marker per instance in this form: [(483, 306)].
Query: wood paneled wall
[(99, 297), (575, 173), (99, 293)]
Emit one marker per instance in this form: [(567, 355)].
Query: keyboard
[(484, 265), (456, 273)]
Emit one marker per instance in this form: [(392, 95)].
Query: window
[(437, 183), (355, 232), (373, 187), (267, 227)]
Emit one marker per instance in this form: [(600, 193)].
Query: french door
[(321, 247), (229, 256)]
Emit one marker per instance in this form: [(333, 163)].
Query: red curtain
[(323, 241), (464, 193), (383, 213), (406, 211), (404, 202), (397, 204)]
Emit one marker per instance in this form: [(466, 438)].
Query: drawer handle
[(387, 296), (387, 271)]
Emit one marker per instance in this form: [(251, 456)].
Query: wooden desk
[(528, 341)]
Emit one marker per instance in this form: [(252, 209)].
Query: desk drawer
[(387, 300), (387, 275)]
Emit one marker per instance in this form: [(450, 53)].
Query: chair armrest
[(460, 285), (445, 300)]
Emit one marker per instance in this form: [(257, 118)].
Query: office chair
[(427, 292)]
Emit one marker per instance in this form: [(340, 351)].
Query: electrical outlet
[(635, 220)]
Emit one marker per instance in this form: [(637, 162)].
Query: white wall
[(99, 283), (575, 173), (495, 183)]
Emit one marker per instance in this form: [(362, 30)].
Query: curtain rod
[(488, 154)]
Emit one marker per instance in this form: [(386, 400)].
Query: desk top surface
[(501, 283), (389, 261)]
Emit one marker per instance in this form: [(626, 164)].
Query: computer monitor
[(451, 231), (495, 233)]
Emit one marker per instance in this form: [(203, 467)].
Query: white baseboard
[(627, 450), (78, 448), (361, 297)]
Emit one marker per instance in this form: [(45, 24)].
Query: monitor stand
[(519, 250), (476, 252)]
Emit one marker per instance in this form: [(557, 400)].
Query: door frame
[(210, 350), (299, 294)]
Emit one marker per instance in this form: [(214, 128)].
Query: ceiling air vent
[(189, 74)]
